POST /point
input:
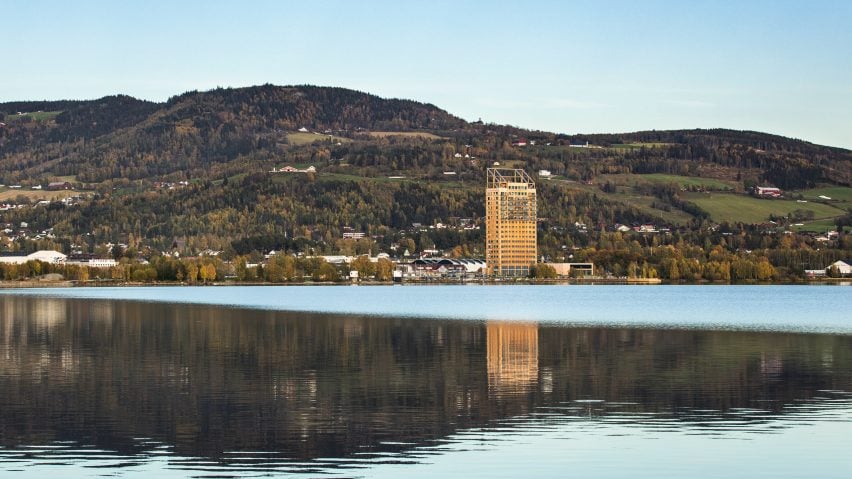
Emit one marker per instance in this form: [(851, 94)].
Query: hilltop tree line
[(200, 134)]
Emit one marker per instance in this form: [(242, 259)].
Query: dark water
[(98, 387)]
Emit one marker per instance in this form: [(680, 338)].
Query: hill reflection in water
[(123, 383)]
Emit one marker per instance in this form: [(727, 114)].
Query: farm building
[(767, 191), (59, 185)]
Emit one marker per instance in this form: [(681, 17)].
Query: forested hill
[(718, 137), (313, 107), (137, 139), (122, 137), (786, 162), (203, 166)]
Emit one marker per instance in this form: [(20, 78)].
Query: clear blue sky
[(782, 67)]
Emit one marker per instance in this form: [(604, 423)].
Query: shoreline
[(36, 284)]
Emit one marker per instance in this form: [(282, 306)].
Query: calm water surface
[(568, 381), (773, 308)]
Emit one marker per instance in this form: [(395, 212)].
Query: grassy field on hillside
[(305, 138), (818, 226), (509, 164), (8, 194), (622, 146), (746, 209), (36, 116), (641, 203), (405, 134), (347, 177), (841, 194), (683, 181), (644, 204)]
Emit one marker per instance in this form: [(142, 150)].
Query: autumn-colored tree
[(240, 268), (326, 272), (208, 272), (274, 271), (363, 266), (384, 269), (764, 270), (288, 266), (191, 272), (632, 270), (543, 271)]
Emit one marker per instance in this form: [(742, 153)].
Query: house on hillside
[(350, 233), (59, 185), (291, 169), (767, 191)]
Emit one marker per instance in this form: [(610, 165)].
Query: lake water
[(444, 381)]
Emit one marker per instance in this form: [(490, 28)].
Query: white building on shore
[(94, 262), (45, 256)]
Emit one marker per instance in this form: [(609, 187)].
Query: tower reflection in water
[(512, 357)]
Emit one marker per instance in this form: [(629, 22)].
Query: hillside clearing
[(732, 208), (306, 138), (819, 226), (38, 116), (622, 146), (36, 195), (405, 134), (642, 203), (842, 194), (682, 181)]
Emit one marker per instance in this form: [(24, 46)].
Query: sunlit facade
[(510, 222), (512, 350)]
